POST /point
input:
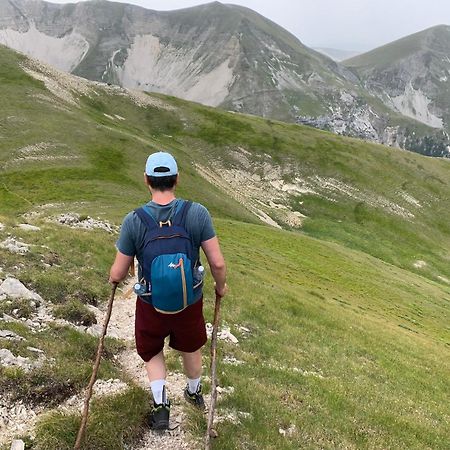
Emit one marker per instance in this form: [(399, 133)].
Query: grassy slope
[(369, 338), (391, 53), (388, 54)]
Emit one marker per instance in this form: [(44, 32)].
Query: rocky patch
[(261, 186), (232, 361), (15, 246), (7, 359), (74, 220), (10, 335), (223, 334), (233, 416), (419, 264), (37, 315), (101, 388), (16, 419)]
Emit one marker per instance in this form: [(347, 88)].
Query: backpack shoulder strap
[(180, 217), (146, 218)]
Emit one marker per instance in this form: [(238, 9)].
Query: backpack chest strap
[(178, 220)]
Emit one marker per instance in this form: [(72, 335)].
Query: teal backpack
[(167, 263)]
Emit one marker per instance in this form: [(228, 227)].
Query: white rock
[(419, 264), (13, 288), (228, 390), (8, 359), (289, 432), (226, 335), (95, 330), (36, 350), (28, 227), (232, 361), (10, 335), (15, 246), (18, 445), (2, 227), (8, 318)]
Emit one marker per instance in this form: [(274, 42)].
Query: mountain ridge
[(411, 75), (412, 42), (219, 55)]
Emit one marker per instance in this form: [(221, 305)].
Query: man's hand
[(113, 283), (221, 292)]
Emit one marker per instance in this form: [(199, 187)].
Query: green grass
[(76, 312), (17, 307), (345, 347), (112, 422)]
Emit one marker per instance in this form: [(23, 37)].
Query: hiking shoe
[(159, 417), (196, 398)]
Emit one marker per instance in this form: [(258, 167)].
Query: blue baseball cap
[(161, 164)]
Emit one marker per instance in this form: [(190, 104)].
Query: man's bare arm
[(119, 269), (216, 262)]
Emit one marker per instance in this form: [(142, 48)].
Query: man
[(187, 327)]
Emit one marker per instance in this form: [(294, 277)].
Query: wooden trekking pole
[(209, 431), (95, 371)]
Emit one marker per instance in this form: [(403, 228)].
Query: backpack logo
[(174, 266)]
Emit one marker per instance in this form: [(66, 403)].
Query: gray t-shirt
[(132, 234)]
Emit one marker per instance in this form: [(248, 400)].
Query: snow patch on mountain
[(64, 53), (414, 103)]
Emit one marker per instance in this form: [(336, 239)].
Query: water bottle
[(199, 273), (140, 289)]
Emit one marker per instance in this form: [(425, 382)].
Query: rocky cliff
[(411, 76)]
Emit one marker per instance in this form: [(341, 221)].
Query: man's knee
[(192, 363)]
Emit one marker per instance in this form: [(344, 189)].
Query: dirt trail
[(122, 326)]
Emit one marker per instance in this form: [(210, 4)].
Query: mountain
[(337, 253), (215, 54), (336, 54), (411, 75)]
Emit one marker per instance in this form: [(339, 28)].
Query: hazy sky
[(344, 24)]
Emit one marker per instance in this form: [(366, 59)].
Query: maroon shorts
[(186, 329)]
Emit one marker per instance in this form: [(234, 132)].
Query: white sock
[(158, 388), (193, 384)]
